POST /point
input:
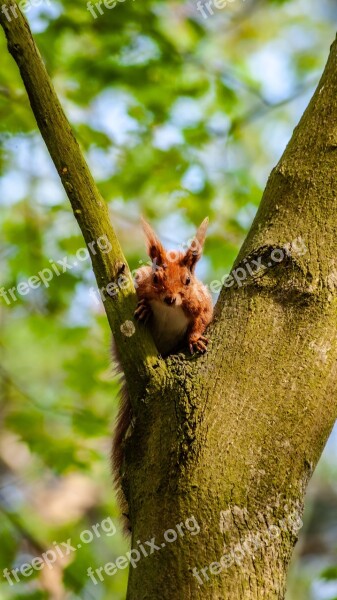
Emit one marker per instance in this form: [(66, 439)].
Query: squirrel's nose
[(169, 300)]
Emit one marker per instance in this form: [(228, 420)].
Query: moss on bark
[(230, 438)]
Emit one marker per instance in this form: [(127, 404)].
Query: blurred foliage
[(179, 116)]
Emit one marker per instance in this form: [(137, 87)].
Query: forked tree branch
[(136, 349), (239, 431)]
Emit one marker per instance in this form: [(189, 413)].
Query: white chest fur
[(169, 325)]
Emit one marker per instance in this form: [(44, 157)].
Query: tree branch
[(289, 208), (136, 349)]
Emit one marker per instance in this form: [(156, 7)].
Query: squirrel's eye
[(155, 278), (188, 281)]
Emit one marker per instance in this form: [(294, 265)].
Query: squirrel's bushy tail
[(123, 423)]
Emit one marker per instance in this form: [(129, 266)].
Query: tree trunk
[(224, 444), (234, 436)]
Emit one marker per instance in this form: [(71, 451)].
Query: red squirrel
[(176, 307)]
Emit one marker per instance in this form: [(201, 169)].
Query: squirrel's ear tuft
[(194, 251), (155, 249)]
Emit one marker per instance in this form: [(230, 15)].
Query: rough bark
[(236, 434), (231, 437)]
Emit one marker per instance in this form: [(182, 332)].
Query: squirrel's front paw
[(198, 343), (143, 311)]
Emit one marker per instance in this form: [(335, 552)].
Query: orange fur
[(177, 308), (169, 289)]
